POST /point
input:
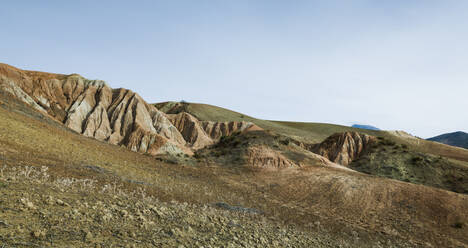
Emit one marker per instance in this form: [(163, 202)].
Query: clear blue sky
[(393, 64)]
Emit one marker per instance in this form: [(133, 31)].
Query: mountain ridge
[(459, 139), (90, 107), (362, 126)]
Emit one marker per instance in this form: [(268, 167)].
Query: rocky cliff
[(343, 148), (118, 116), (122, 117)]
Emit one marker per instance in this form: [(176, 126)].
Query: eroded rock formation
[(267, 158), (202, 133), (118, 116), (191, 129), (92, 108), (343, 148)]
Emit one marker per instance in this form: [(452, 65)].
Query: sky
[(396, 65)]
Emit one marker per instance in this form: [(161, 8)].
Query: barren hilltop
[(86, 165)]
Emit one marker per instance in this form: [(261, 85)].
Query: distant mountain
[(369, 127), (459, 139)]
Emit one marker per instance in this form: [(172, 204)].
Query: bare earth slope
[(336, 207), (229, 188)]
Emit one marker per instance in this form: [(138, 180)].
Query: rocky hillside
[(242, 187), (117, 116), (459, 139), (397, 161), (344, 148), (263, 150), (202, 133), (105, 216)]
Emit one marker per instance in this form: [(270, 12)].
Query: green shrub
[(416, 160), (197, 155), (458, 224)]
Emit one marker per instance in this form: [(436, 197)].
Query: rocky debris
[(264, 157), (343, 148), (237, 208), (97, 169), (60, 202), (38, 234), (28, 204), (138, 222)]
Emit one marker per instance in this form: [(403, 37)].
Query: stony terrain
[(67, 212), (249, 182)]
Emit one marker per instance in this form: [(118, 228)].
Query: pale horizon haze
[(396, 65)]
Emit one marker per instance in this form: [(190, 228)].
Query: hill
[(459, 139), (248, 183), (365, 127), (310, 132)]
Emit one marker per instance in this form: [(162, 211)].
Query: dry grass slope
[(155, 201), (336, 206)]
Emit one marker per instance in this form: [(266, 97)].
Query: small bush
[(388, 143), (416, 160), (458, 225), (197, 155)]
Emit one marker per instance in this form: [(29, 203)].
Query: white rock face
[(118, 116), (92, 108), (344, 148)]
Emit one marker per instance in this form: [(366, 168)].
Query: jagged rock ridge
[(118, 116), (122, 117), (265, 157), (343, 148), (202, 133)]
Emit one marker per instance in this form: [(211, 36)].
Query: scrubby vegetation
[(389, 159)]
